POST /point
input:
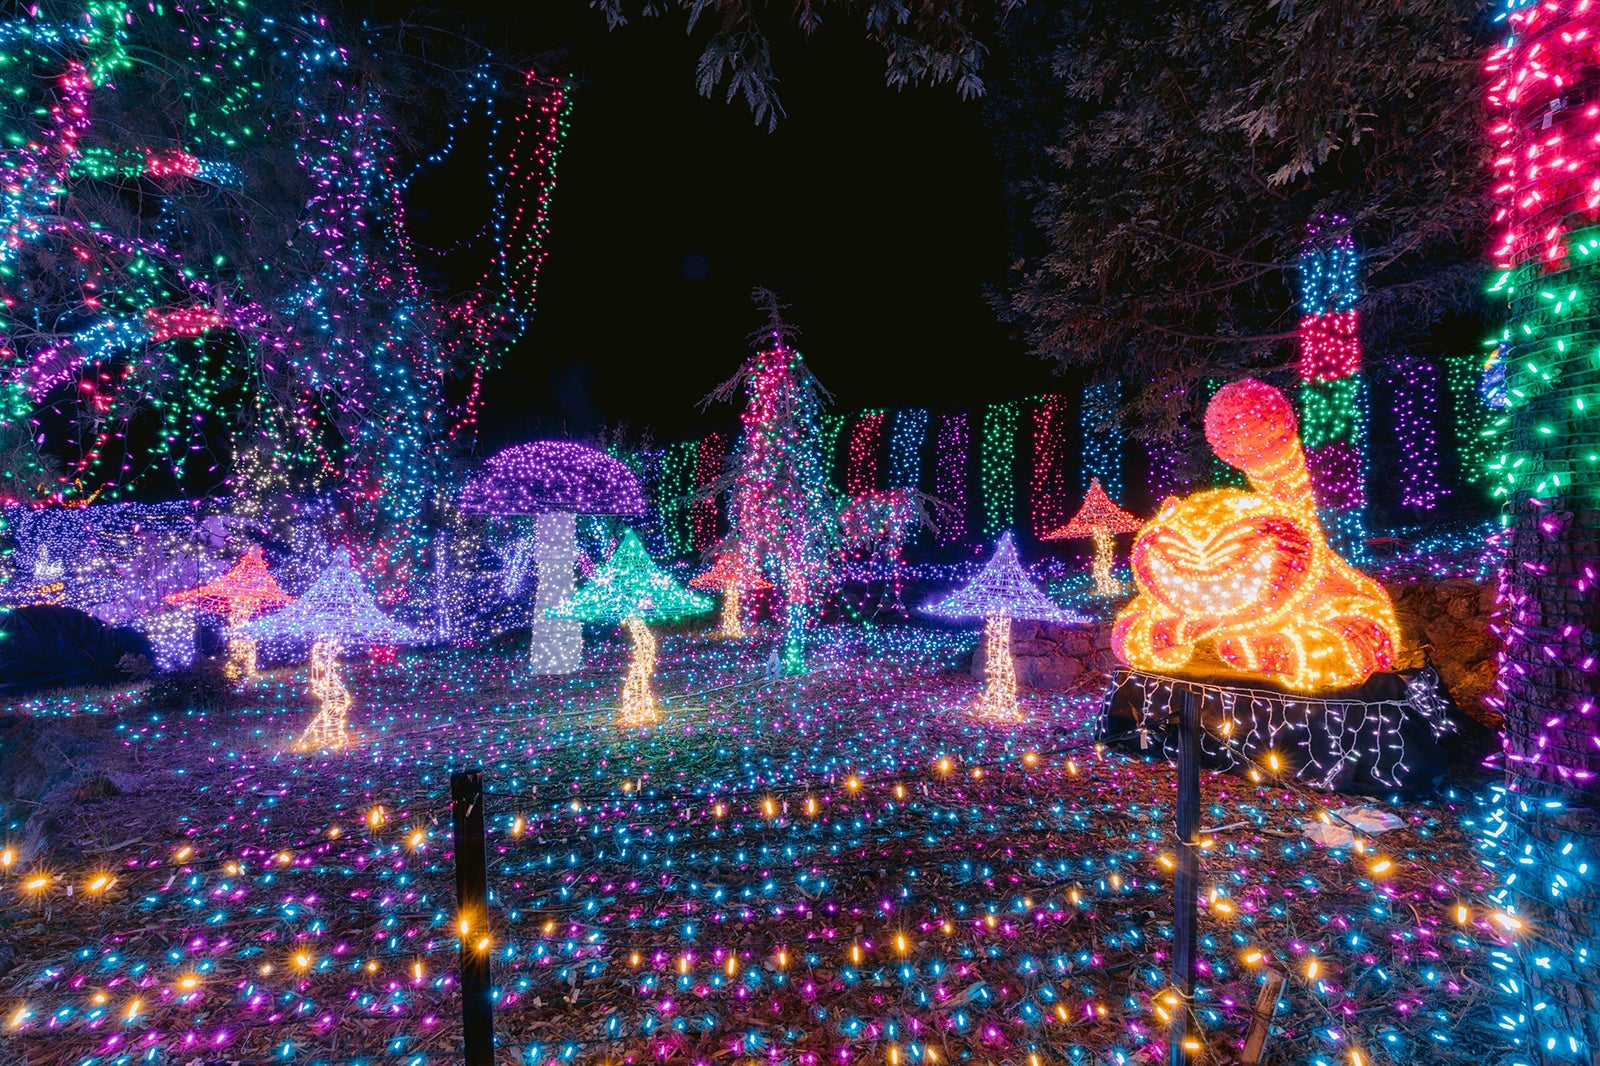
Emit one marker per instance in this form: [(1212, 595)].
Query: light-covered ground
[(842, 867)]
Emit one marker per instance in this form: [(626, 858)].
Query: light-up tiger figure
[(1252, 572)]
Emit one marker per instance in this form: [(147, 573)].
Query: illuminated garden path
[(837, 868)]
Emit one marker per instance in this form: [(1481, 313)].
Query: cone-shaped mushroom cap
[(630, 585), (1098, 514), (247, 588), (552, 475), (729, 572), (1002, 587), (337, 605)]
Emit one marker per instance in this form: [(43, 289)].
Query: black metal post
[(1186, 883), (472, 915)]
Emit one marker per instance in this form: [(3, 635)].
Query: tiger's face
[(1224, 556)]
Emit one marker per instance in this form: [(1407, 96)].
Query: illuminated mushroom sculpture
[(730, 576), (631, 590), (1100, 519), (335, 613), (553, 481), (246, 590), (1000, 592)]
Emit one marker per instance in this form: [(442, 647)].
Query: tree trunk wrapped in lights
[(246, 590), (631, 591), (1099, 519), (1000, 592), (336, 612), (731, 576), (1546, 133), (554, 481)]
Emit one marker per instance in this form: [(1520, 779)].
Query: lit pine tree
[(784, 513)]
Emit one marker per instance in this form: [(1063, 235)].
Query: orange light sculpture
[(1252, 572), (1099, 518), (246, 590), (730, 576)]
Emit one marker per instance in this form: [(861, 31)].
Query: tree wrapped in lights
[(1100, 519), (782, 509), (1000, 592), (211, 241), (632, 591), (1253, 572), (244, 592), (1333, 405), (554, 481), (1545, 129), (730, 576), (336, 613)]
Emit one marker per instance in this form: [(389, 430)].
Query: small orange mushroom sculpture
[(1252, 572), (246, 590), (730, 575), (1099, 518)]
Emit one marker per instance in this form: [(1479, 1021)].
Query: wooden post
[(1186, 882), (1255, 1038), (472, 915)]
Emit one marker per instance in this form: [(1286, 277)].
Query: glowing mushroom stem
[(1104, 583), (639, 705), (732, 624), (998, 701), (241, 665), (330, 728)]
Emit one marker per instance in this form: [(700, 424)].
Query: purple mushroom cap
[(547, 476)]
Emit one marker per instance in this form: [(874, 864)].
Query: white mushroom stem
[(638, 696), (330, 728), (556, 646), (998, 701)]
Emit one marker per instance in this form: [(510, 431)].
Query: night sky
[(876, 215)]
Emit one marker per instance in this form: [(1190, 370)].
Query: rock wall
[(1451, 618)]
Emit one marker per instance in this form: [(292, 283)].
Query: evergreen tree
[(783, 512)]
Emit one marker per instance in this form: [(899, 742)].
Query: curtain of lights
[(1543, 81), (997, 467), (1102, 440), (950, 474), (1046, 493), (707, 469), (1416, 421), (861, 456)]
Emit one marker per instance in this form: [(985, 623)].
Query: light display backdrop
[(1542, 86), (330, 351), (997, 467), (708, 469), (1416, 420), (632, 591), (1253, 572), (1479, 428), (1333, 405), (678, 464), (1047, 499), (950, 475), (862, 455), (910, 429), (1102, 438)]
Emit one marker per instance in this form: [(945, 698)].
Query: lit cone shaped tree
[(1100, 519), (246, 590), (335, 613), (632, 591), (783, 511), (731, 577), (1000, 592)]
